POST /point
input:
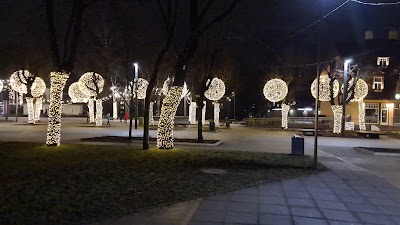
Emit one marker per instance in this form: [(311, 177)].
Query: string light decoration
[(99, 112), (115, 110), (142, 87), (38, 87), (18, 81), (75, 93), (275, 90), (192, 113), (21, 98), (216, 89), (1, 85), (170, 104), (203, 113), (361, 115), (285, 113), (57, 84), (151, 117), (31, 110), (216, 113), (337, 118), (324, 88), (38, 108), (91, 110), (91, 83), (167, 84)]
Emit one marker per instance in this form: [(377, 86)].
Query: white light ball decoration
[(216, 90), (31, 110), (165, 139), (360, 90), (324, 88), (18, 80), (142, 88), (337, 118), (275, 90), (38, 87), (75, 93), (99, 112), (88, 82), (285, 113), (1, 86), (57, 84)]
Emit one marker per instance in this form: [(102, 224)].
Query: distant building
[(379, 61)]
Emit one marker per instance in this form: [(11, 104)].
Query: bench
[(183, 123), (369, 134), (309, 132)]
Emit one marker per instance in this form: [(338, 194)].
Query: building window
[(378, 84), (396, 114), (383, 62), (372, 113)]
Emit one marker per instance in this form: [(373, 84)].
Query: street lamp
[(234, 104), (345, 74), (136, 93)]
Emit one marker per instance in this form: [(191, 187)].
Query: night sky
[(259, 32)]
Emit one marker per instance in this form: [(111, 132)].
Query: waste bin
[(297, 145), (212, 125), (227, 122), (141, 121)]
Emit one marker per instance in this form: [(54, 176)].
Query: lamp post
[(234, 104), (345, 74), (136, 93)]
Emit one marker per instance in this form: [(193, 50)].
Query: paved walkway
[(359, 189)]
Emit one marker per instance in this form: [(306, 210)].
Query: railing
[(294, 122)]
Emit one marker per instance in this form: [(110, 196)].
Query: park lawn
[(80, 184)]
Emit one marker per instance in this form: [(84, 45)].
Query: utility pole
[(136, 94)]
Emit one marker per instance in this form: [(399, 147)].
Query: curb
[(364, 150)]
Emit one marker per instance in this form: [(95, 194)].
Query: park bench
[(309, 132), (369, 134)]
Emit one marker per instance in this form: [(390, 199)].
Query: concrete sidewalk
[(347, 194)]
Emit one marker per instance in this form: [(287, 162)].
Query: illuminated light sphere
[(57, 84), (275, 90), (1, 86), (38, 87), (324, 88), (216, 90), (18, 80), (337, 118), (75, 93), (360, 90), (88, 83), (170, 104), (142, 88)]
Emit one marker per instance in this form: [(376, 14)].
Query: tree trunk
[(31, 110), (57, 84), (337, 118), (99, 112), (200, 106), (216, 114), (91, 110), (361, 115), (285, 112), (38, 108), (170, 104), (130, 115)]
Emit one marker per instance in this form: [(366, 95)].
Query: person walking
[(108, 117), (126, 116), (121, 115)]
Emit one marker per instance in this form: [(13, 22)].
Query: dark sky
[(260, 31)]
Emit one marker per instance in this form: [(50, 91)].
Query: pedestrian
[(108, 117), (121, 115), (126, 116)]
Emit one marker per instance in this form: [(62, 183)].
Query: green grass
[(78, 184)]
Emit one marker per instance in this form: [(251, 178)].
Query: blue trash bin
[(297, 145)]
